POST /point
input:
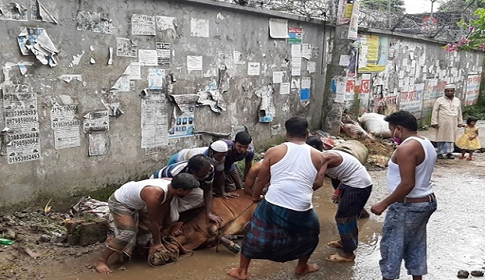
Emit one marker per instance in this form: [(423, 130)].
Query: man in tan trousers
[(446, 118)]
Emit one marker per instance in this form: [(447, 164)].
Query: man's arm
[(406, 156), (247, 167), (207, 188), (152, 196), (434, 114), (324, 161), (250, 180), (263, 175), (460, 116), (219, 181)]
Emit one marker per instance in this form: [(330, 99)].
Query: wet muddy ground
[(456, 240)]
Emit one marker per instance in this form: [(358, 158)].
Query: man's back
[(292, 178)]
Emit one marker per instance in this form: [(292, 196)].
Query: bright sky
[(420, 6)]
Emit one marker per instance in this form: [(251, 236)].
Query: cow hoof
[(233, 247)]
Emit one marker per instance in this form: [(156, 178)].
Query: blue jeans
[(404, 237)]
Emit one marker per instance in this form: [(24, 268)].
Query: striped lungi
[(280, 234), (351, 203)]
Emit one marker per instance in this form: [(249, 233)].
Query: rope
[(220, 230)]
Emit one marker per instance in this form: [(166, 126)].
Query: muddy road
[(456, 240)]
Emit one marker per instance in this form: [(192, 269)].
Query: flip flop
[(335, 244), (339, 258)]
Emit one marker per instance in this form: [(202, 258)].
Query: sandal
[(461, 157), (469, 158)]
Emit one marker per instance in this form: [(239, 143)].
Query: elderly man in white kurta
[(446, 118)]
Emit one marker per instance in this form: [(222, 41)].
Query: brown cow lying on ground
[(181, 238)]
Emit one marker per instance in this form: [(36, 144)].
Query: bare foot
[(307, 268), (102, 267), (238, 273), (335, 244)]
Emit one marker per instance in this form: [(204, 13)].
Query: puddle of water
[(456, 239)]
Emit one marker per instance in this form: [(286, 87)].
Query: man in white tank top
[(411, 202), (284, 226), (355, 186), (125, 204)]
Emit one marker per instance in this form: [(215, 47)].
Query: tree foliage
[(475, 34), (397, 6), (460, 5)]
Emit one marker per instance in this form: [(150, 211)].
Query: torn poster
[(36, 41), (278, 28), (267, 109), (142, 25), (163, 54), (155, 78), (306, 51), (294, 35), (70, 77), (96, 121), (254, 68), (126, 47), (306, 83), (183, 115), (39, 12), (238, 57), (295, 83), (154, 121), (66, 126), (93, 21), (212, 97), (285, 88), (132, 72), (113, 108), (148, 57), (199, 27), (13, 11), (76, 59), (98, 144), (194, 63), (166, 23), (22, 123)]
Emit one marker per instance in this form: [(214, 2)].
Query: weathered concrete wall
[(59, 143), (404, 73)]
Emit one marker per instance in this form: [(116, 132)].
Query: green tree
[(460, 5), (475, 34), (397, 6)]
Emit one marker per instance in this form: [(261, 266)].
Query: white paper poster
[(278, 28), (344, 60), (66, 126), (296, 62), (154, 121), (254, 68), (306, 51), (296, 50), (306, 82), (295, 71), (278, 77), (165, 23), (148, 57), (194, 63), (285, 88), (21, 117), (311, 66), (155, 78), (238, 57), (126, 47), (133, 71), (96, 121), (295, 83), (142, 25), (199, 27)]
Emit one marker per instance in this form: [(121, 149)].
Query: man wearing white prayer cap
[(446, 118)]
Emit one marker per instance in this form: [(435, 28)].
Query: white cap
[(450, 86), (219, 146)]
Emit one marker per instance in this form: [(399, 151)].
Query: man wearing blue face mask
[(411, 202)]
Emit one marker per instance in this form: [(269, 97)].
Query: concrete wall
[(410, 74), (58, 142)]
